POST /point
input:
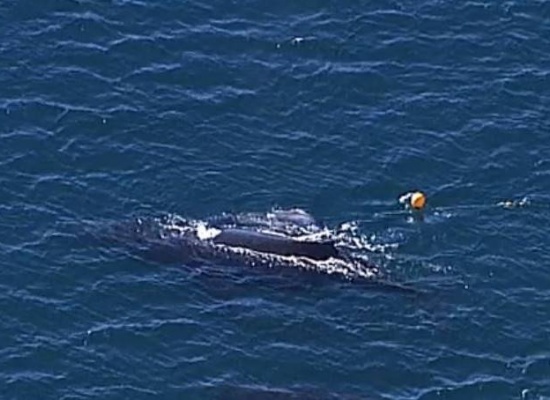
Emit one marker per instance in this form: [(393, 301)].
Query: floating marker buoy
[(418, 200), (414, 200)]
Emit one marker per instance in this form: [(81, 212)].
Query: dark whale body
[(176, 240), (276, 244)]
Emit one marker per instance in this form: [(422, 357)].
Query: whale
[(277, 244), (285, 239), (281, 237)]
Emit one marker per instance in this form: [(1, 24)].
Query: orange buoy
[(418, 200)]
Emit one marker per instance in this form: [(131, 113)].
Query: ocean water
[(113, 110)]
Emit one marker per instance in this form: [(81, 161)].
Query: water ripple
[(112, 110)]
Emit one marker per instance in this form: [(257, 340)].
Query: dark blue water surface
[(111, 110)]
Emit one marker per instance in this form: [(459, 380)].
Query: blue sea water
[(111, 110)]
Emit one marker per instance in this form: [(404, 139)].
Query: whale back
[(276, 244)]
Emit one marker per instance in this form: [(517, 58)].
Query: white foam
[(204, 233)]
